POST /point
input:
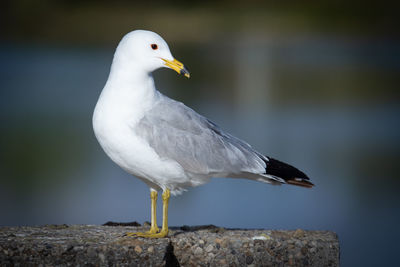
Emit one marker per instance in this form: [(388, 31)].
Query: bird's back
[(178, 133)]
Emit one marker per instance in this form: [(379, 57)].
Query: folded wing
[(178, 133)]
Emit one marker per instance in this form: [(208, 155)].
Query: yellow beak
[(177, 66)]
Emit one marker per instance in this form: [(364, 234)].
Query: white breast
[(114, 119)]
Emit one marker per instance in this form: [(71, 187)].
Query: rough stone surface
[(73, 245)]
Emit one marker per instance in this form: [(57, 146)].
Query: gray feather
[(178, 133)]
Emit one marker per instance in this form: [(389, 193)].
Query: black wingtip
[(290, 174)]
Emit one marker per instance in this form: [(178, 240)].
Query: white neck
[(130, 79), (129, 91)]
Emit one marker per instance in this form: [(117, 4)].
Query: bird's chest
[(114, 132), (117, 137)]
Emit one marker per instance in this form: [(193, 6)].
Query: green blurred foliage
[(103, 21), (41, 152)]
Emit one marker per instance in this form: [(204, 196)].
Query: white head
[(147, 50)]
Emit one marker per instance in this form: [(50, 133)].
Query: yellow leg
[(164, 230), (165, 197), (154, 228)]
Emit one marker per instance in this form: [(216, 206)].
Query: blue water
[(53, 171)]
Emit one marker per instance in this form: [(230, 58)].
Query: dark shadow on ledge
[(109, 223), (185, 228), (170, 258)]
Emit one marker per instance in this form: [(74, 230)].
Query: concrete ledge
[(72, 245)]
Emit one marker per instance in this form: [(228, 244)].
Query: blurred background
[(314, 84)]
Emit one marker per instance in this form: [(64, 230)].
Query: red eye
[(154, 46)]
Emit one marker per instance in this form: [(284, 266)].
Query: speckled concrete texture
[(92, 245)]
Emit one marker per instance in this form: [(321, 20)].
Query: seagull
[(164, 143)]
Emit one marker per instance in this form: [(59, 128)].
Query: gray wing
[(178, 133)]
